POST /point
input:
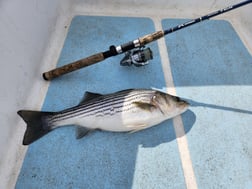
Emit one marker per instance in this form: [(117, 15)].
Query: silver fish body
[(127, 110)]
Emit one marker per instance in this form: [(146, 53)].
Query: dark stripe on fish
[(103, 104), (100, 102), (94, 109)]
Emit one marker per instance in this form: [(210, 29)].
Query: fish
[(129, 110)]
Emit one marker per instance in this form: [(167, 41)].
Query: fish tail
[(37, 125)]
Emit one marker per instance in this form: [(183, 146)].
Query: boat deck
[(209, 64), (207, 147)]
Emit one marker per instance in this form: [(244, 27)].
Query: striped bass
[(128, 110)]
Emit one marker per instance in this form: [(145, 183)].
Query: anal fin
[(81, 132)]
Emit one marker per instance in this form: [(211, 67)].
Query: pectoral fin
[(144, 105), (137, 127)]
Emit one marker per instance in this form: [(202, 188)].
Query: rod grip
[(73, 66), (151, 37)]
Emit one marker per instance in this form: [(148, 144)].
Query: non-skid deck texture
[(147, 159), (210, 66)]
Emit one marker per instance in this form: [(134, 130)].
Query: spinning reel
[(139, 57)]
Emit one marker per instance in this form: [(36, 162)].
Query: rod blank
[(113, 51)]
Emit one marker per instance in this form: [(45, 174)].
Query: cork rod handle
[(73, 66)]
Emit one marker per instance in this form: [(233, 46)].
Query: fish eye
[(154, 97), (177, 99)]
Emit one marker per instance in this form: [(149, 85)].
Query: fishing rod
[(138, 57)]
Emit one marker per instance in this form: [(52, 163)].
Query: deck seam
[(182, 143)]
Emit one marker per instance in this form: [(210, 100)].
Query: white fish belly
[(121, 122)]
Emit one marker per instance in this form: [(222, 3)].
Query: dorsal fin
[(89, 96)]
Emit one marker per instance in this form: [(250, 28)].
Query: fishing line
[(137, 57)]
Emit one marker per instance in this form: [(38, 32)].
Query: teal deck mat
[(212, 68), (147, 159)]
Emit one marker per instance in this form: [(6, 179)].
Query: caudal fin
[(37, 125)]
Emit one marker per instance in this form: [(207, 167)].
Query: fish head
[(168, 104)]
